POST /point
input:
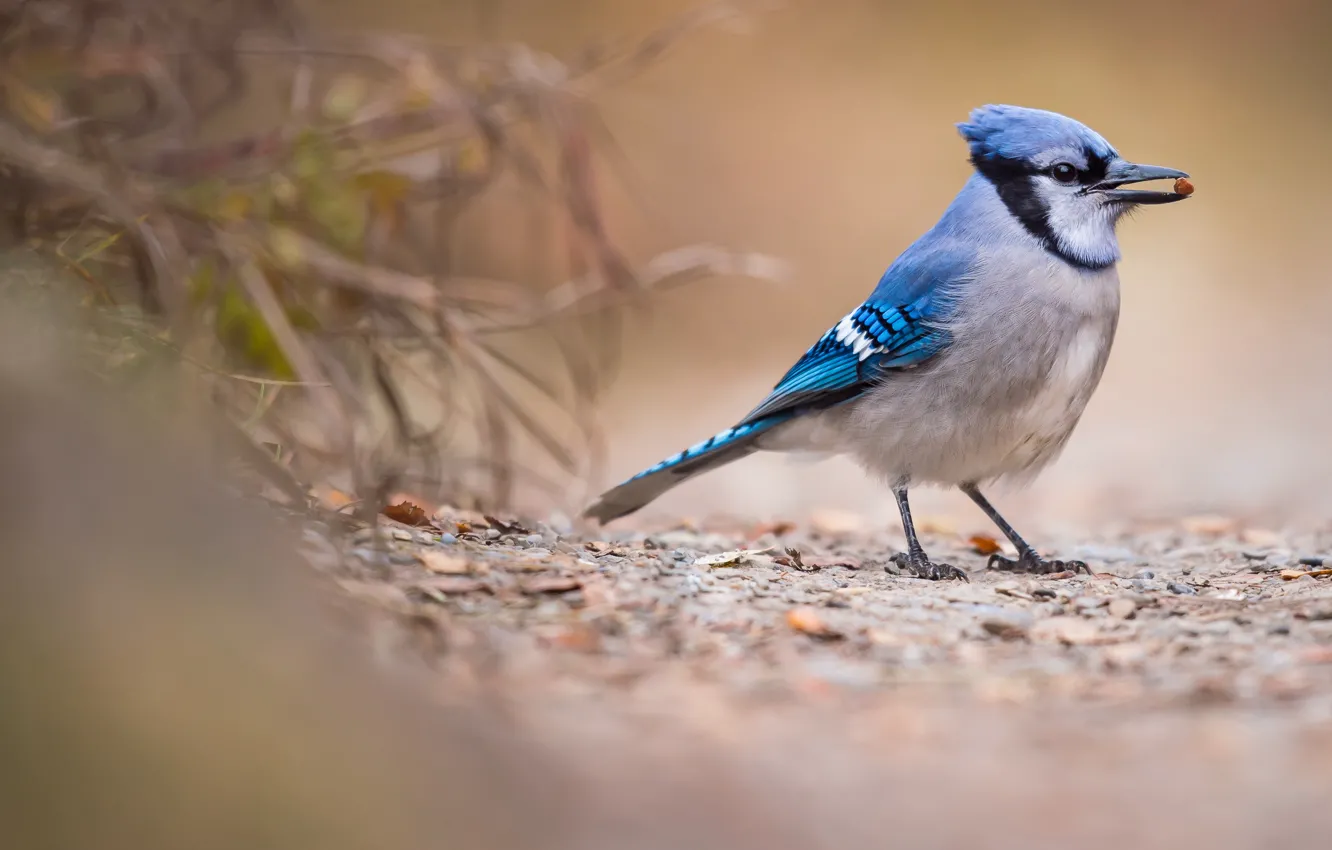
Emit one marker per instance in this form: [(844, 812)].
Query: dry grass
[(303, 270)]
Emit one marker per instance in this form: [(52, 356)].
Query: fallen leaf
[(1291, 575), (793, 559), (549, 584), (808, 622), (983, 544), (334, 500), (503, 527), (444, 563), (407, 513), (733, 558)]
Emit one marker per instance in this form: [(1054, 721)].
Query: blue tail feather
[(719, 449)]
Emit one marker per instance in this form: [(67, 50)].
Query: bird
[(973, 359)]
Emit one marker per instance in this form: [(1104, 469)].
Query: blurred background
[(824, 134), (176, 682)]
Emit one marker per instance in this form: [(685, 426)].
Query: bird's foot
[(922, 567), (1030, 562)]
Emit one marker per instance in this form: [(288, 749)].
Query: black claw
[(1030, 562), (922, 567)]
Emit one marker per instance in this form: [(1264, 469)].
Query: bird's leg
[(1027, 561), (914, 559)]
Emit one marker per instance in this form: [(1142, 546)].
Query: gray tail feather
[(731, 444)]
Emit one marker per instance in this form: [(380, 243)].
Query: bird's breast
[(1028, 349)]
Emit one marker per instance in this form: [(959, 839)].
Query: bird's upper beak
[(1121, 173)]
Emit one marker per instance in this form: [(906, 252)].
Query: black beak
[(1122, 173)]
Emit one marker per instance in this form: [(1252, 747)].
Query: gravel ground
[(707, 688), (1199, 611)]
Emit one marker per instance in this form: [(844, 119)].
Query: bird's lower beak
[(1122, 173)]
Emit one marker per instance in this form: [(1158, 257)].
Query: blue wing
[(901, 324)]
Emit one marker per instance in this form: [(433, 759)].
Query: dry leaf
[(733, 558), (445, 563), (983, 544), (507, 527), (333, 500), (407, 513), (1291, 575), (807, 621)]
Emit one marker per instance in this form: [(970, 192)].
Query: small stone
[(1181, 589), (533, 540), (1073, 631), (1123, 608), (1312, 561), (1260, 537), (1089, 603), (1007, 623), (448, 539), (1144, 574), (445, 563)]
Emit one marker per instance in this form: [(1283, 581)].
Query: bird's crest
[(1017, 133)]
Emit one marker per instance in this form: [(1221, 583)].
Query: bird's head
[(1061, 179)]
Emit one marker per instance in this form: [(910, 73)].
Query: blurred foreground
[(177, 677)]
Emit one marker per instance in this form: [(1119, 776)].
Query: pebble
[(448, 539), (367, 554), (1144, 574), (1312, 561), (534, 540), (1122, 608), (1068, 630), (1181, 589), (1007, 623)]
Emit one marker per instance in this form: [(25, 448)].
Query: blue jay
[(974, 357)]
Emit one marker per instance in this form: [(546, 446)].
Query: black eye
[(1064, 173)]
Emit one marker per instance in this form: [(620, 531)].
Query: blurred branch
[(295, 255)]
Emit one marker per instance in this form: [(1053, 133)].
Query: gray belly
[(1001, 401)]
